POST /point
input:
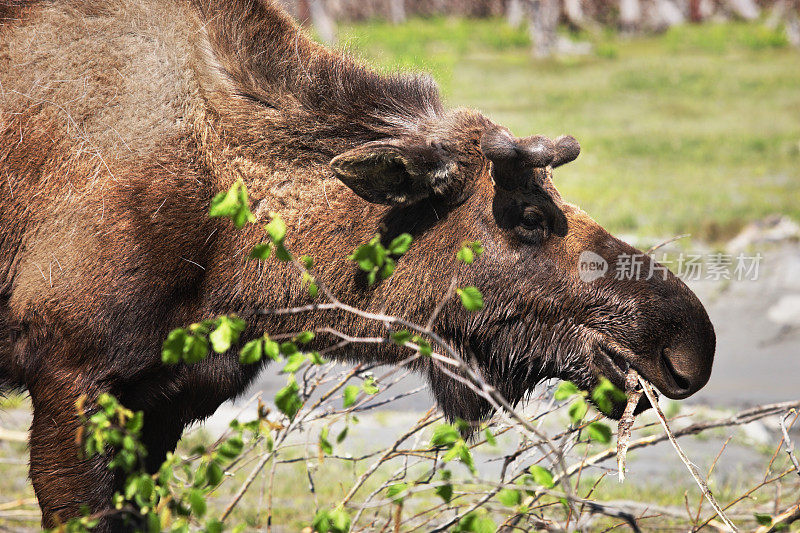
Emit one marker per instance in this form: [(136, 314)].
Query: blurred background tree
[(543, 16)]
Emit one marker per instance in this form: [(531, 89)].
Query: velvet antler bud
[(567, 149), (514, 159)]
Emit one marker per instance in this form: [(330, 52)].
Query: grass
[(696, 130)]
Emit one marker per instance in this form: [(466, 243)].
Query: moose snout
[(685, 363), (681, 363)]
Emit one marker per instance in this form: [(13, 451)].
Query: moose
[(120, 121)]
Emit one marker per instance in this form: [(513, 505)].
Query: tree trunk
[(630, 15), (792, 24), (322, 21), (397, 11), (668, 14), (574, 12), (543, 23), (746, 9), (695, 13), (515, 13)]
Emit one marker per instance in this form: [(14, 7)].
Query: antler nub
[(567, 149), (514, 158)]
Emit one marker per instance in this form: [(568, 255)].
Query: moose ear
[(394, 171)]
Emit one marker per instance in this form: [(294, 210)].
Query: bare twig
[(648, 390), (787, 442), (626, 422), (780, 522)]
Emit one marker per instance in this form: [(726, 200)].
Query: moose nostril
[(683, 383)]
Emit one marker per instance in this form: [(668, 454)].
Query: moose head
[(555, 306)]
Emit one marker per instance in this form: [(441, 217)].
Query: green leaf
[(172, 349), (214, 474), (308, 262), (214, 526), (445, 435), (475, 523), (233, 204), (362, 256), (599, 432), (293, 363), (281, 253), (424, 346), (350, 394), (400, 244), (509, 497), (369, 386), (261, 251), (288, 348), (321, 522), (578, 410), (605, 394), (316, 358), (131, 488), (566, 389), (146, 487), (763, 519), (313, 289), (342, 435), (469, 251), (272, 349), (231, 448), (388, 268), (305, 337), (287, 399), (394, 490), (324, 444), (542, 476), (195, 349), (465, 455), (276, 229), (490, 440), (445, 492), (251, 352), (471, 298), (339, 520), (197, 502), (401, 337), (227, 333)]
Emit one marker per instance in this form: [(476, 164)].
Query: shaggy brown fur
[(120, 120)]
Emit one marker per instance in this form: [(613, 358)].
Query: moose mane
[(259, 54)]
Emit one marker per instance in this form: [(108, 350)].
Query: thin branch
[(651, 395)]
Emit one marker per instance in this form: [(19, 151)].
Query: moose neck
[(288, 93)]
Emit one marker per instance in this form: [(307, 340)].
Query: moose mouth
[(614, 366)]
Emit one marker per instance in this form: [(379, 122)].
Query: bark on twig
[(648, 390)]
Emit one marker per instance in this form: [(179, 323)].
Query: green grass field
[(696, 130)]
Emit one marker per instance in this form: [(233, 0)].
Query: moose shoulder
[(119, 121)]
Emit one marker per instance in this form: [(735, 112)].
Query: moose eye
[(532, 226)]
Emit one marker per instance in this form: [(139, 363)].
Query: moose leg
[(65, 482)]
